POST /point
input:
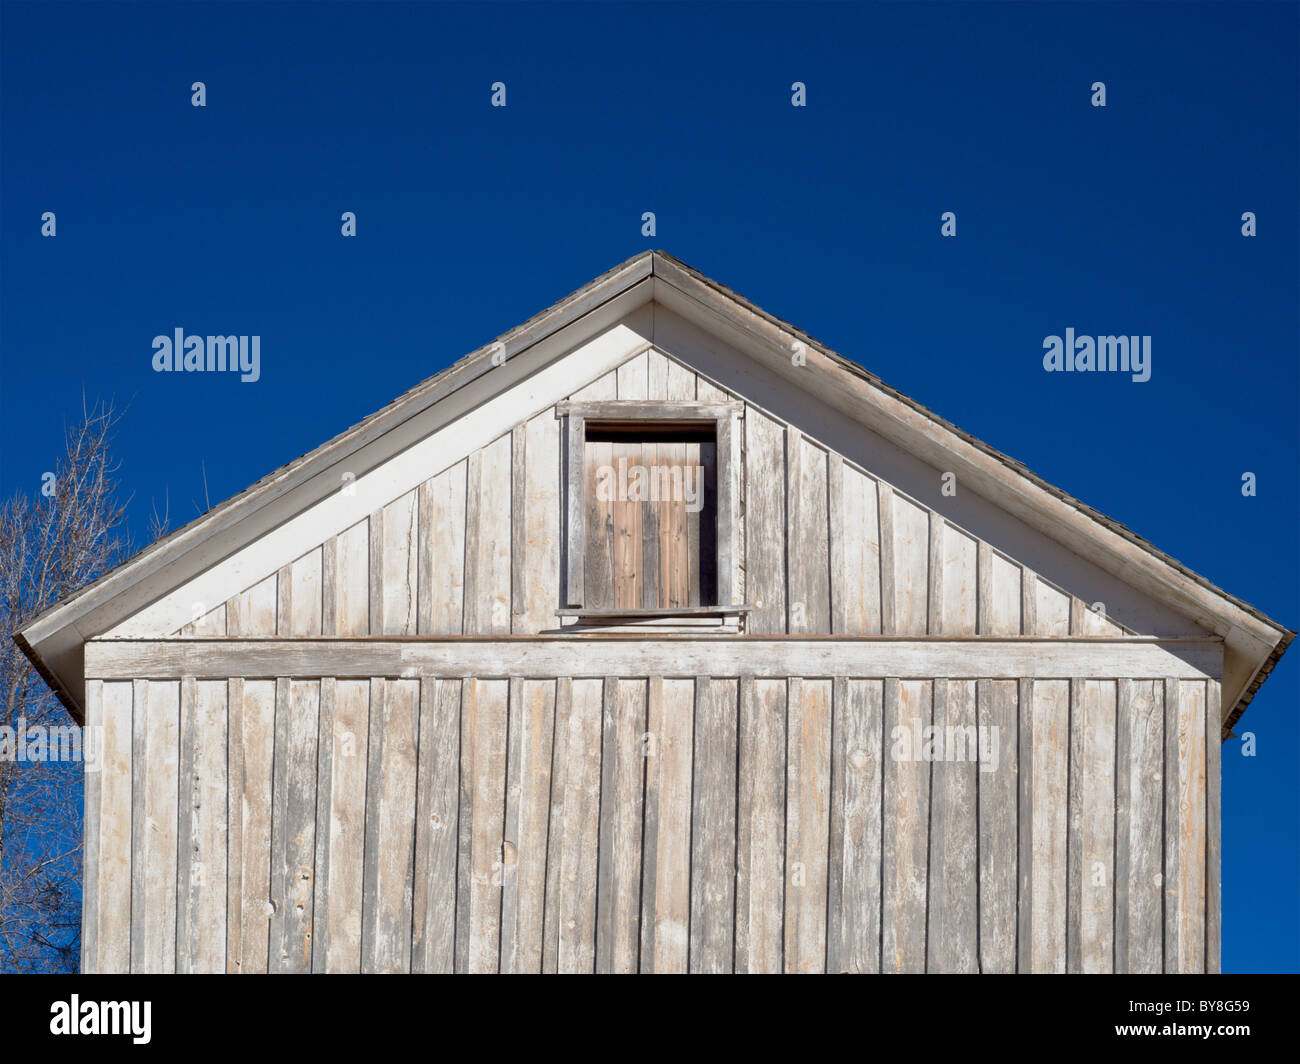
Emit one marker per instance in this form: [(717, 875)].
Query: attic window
[(650, 510)]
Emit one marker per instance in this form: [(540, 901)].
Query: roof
[(53, 641)]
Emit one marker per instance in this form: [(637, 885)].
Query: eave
[(54, 641)]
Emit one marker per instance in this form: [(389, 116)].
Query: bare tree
[(51, 544)]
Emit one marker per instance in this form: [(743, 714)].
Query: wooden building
[(647, 638)]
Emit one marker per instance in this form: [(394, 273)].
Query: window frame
[(724, 416)]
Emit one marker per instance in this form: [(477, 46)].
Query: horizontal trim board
[(672, 611), (636, 655), (649, 410)]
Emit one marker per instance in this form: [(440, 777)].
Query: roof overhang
[(54, 641)]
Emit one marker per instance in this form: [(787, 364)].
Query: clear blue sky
[(1126, 219)]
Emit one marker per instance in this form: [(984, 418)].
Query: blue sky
[(1123, 219)]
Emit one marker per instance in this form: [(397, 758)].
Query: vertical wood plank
[(483, 819), (934, 610), (1097, 828), (680, 382), (305, 612), (598, 563), (487, 543), (284, 600), (329, 594), (908, 712), (1004, 597), (575, 458), (1213, 827), (839, 551), (473, 505), (341, 825), (1190, 868), (401, 556), (156, 776), (539, 563), (652, 584), (953, 934), (808, 773), (375, 540), (1074, 839), (713, 827), (623, 760), (518, 528), (1028, 603), (853, 931), (999, 822), (634, 377), (251, 737), (760, 882), (1123, 809), (656, 375), (352, 581), (1051, 711), (390, 826), (855, 578), (807, 536), (528, 805), (674, 550), (726, 527), (320, 930), (911, 563), (252, 612), (1139, 943), (1025, 840), (578, 866), (888, 590), (201, 915), (626, 532), (91, 814), (434, 912), (441, 577), (555, 836), (1052, 608), (186, 825), (1174, 786), (765, 481), (960, 601), (668, 788), (114, 842), (985, 588), (139, 784), (293, 824)]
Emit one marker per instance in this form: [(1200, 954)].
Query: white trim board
[(402, 473), (976, 658)]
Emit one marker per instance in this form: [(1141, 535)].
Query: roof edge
[(620, 279), (52, 681), (591, 296), (1107, 523), (1256, 682)]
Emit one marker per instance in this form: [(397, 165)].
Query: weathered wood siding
[(824, 547), (294, 795), (652, 823)]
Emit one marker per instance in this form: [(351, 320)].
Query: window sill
[(701, 620)]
